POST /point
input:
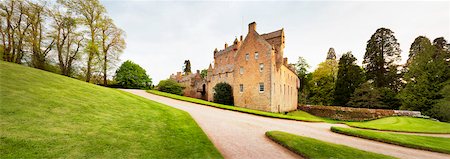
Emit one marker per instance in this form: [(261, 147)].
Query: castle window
[(247, 56), (261, 87), (261, 67), (241, 70), (256, 55), (226, 74), (241, 88)]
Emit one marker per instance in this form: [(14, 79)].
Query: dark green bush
[(223, 94), (170, 86)]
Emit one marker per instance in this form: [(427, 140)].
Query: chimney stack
[(252, 26), (226, 45), (241, 37)]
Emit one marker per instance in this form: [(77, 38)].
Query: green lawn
[(307, 115), (44, 115), (404, 124), (309, 118), (437, 144), (313, 148)]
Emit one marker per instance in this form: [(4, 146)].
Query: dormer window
[(256, 55), (247, 56)]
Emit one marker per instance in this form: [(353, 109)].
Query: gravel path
[(240, 135)]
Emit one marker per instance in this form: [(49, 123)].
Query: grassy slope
[(438, 144), (404, 124), (312, 148), (309, 118), (44, 115)]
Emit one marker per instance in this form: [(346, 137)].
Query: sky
[(160, 35)]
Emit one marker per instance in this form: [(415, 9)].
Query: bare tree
[(113, 43), (37, 16), (14, 28), (68, 41), (91, 11)]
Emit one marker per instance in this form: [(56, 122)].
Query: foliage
[(323, 82), (204, 73), (170, 86), (223, 93), (426, 76), (382, 53), (45, 115), (187, 67), (308, 118), (349, 77), (437, 144), (131, 75), (404, 124), (366, 96), (301, 67), (313, 148), (441, 110)]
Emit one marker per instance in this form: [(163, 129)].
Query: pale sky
[(161, 35)]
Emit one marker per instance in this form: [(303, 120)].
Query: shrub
[(223, 94), (131, 75), (170, 86)]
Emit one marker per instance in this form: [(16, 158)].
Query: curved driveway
[(240, 135)]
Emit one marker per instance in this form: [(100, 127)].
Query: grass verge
[(313, 148), (404, 124), (45, 115), (437, 144), (308, 118)]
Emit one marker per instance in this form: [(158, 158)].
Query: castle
[(260, 76)]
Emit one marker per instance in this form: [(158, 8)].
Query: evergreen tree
[(331, 55), (382, 53), (187, 67), (425, 77), (366, 96), (349, 77), (223, 93)]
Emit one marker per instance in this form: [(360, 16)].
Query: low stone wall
[(355, 114)]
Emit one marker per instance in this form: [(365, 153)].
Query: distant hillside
[(45, 115)]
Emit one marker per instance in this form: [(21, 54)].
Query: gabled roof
[(274, 38)]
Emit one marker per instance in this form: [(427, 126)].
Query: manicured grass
[(313, 148), (308, 118), (44, 115), (437, 144), (404, 124)]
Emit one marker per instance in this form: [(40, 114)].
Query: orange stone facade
[(260, 76)]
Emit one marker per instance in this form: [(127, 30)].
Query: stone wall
[(355, 114)]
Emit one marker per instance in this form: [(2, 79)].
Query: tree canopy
[(323, 83), (131, 75)]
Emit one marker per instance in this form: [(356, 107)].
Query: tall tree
[(349, 77), (91, 11), (426, 76), (416, 47), (331, 55), (113, 43), (382, 54), (14, 28), (187, 67), (323, 82), (301, 68), (366, 96), (68, 41), (37, 16)]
